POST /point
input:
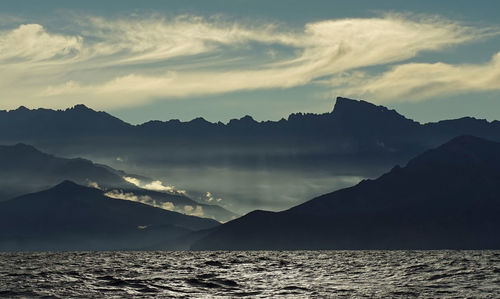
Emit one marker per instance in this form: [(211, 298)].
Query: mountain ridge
[(69, 216), (356, 139), (433, 202), (25, 169), (351, 105)]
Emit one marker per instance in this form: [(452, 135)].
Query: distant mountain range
[(445, 198), (249, 164), (355, 132), (24, 169), (73, 217)]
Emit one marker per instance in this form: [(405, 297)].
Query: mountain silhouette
[(73, 122), (73, 217), (355, 132), (24, 169), (445, 198), (357, 139)]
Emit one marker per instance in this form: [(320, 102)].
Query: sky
[(143, 60)]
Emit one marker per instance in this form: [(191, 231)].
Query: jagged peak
[(199, 120), (245, 119), (80, 107), (345, 104), (346, 108), (21, 109)]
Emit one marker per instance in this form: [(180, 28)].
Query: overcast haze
[(224, 59)]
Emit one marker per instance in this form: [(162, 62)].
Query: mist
[(242, 190)]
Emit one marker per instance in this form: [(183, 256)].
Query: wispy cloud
[(145, 199), (154, 186), (126, 62), (417, 81), (31, 43)]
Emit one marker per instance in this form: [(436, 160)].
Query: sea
[(251, 274)]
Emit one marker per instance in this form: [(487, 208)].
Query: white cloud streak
[(417, 81), (31, 43), (127, 62), (154, 186), (145, 199)]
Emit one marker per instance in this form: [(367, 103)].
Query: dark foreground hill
[(73, 217), (448, 197)]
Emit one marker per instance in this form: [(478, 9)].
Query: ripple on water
[(374, 274)]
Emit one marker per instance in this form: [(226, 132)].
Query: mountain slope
[(448, 197), (355, 140), (175, 202), (72, 123), (72, 217), (25, 169), (353, 129)]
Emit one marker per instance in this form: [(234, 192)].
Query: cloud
[(167, 206), (154, 186), (94, 185), (31, 43), (158, 186), (119, 194), (156, 38), (210, 198), (417, 81), (145, 199), (129, 62), (190, 210), (133, 181)]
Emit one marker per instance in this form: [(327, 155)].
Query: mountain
[(74, 123), (287, 160), (24, 169), (73, 217), (447, 197), (353, 130)]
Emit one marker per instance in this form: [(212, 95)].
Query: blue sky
[(142, 60)]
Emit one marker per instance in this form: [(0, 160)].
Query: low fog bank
[(241, 182), (242, 190)]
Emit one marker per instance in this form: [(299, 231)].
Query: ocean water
[(254, 274)]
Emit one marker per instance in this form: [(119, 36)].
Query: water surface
[(362, 274)]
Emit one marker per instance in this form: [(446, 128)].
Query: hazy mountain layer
[(248, 164), (25, 169), (448, 197)]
